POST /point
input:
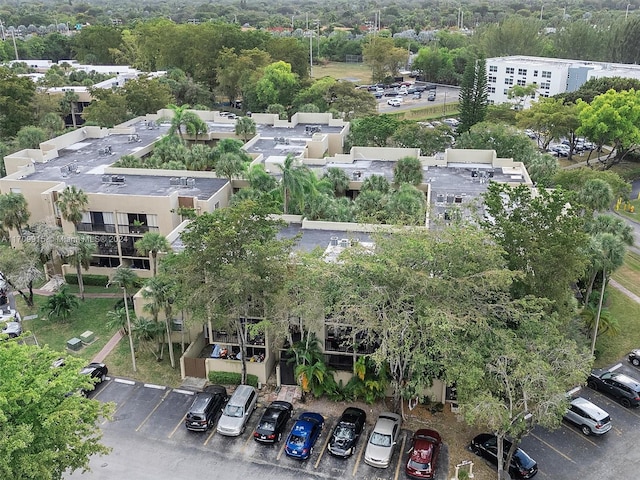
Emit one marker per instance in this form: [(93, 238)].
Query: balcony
[(96, 227), (137, 229)]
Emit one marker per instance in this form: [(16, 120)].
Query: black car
[(522, 465), (617, 385), (634, 357), (345, 435), (205, 407), (95, 371), (273, 422)]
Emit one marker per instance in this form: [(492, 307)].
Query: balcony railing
[(137, 229), (97, 227)]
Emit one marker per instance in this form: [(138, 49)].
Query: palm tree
[(152, 242), (178, 119), (194, 125), (245, 128), (161, 291), (117, 319), (84, 248), (230, 165), (60, 304), (610, 255), (126, 279), (72, 203), (296, 181), (14, 212), (68, 105), (339, 180)]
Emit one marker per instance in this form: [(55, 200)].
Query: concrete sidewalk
[(108, 348)]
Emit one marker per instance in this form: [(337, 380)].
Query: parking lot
[(155, 414), (149, 423)]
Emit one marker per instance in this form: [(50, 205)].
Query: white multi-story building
[(551, 75)]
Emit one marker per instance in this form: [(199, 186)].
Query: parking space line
[(184, 392), (244, 447), (122, 380), (97, 394), (213, 432), (404, 441), (157, 387), (612, 401), (324, 447), (553, 448), (180, 423), (359, 458), (581, 435), (152, 411), (284, 444)]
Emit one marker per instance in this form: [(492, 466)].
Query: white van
[(238, 410)]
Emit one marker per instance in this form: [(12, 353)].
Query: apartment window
[(546, 74), (493, 68), (492, 79), (510, 70), (506, 91), (535, 73), (492, 102), (491, 89), (545, 94), (522, 71), (508, 81), (521, 82), (545, 85)]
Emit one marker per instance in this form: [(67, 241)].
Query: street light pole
[(126, 309), (541, 10), (627, 14)]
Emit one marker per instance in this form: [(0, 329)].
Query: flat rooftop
[(83, 164), (281, 141), (312, 239)]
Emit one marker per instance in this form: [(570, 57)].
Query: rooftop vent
[(174, 181), (344, 243), (117, 179), (191, 182), (183, 181), (106, 178), (334, 241)]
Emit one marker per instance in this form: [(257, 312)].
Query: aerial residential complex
[(125, 203), (551, 75)]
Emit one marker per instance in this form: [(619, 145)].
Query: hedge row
[(88, 279), (96, 280), (232, 378)]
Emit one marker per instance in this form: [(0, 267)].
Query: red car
[(423, 456)]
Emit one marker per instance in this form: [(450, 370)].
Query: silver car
[(382, 440), (589, 417)]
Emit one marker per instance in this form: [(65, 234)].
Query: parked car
[(273, 422), (347, 432), (403, 91), (588, 416), (423, 455), (452, 122), (382, 440), (432, 96), (561, 149), (303, 435), (96, 371), (236, 413), (634, 357), (202, 413), (530, 133), (12, 329), (522, 465), (394, 102), (617, 385)]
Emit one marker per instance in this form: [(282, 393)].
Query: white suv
[(394, 102), (589, 417)]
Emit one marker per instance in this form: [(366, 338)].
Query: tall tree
[(473, 95), (383, 57), (72, 203), (14, 212), (295, 183), (20, 268), (550, 118), (408, 170), (152, 243), (84, 247), (126, 279), (245, 128), (506, 141), (538, 233), (161, 292), (245, 266), (15, 108), (612, 118), (46, 432)]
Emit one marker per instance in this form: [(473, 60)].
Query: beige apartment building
[(126, 203)]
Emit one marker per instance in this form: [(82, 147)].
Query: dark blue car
[(303, 435)]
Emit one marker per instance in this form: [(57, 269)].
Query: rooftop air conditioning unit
[(191, 182), (174, 181), (117, 179), (334, 241), (344, 243), (183, 181), (106, 178)]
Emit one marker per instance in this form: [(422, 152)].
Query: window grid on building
[(522, 71), (508, 81), (493, 68), (546, 74), (510, 70)]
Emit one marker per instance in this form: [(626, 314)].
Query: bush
[(231, 378), (95, 280)]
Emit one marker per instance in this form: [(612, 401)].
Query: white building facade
[(550, 75)]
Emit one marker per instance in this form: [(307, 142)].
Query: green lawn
[(93, 289), (90, 315), (628, 275), (150, 370), (613, 348), (357, 73)]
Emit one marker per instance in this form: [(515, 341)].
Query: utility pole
[(15, 47), (2, 31)]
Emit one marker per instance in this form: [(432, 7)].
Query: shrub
[(95, 280), (231, 378)]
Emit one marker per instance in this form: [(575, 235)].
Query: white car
[(452, 122), (382, 440), (590, 418), (394, 102)]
